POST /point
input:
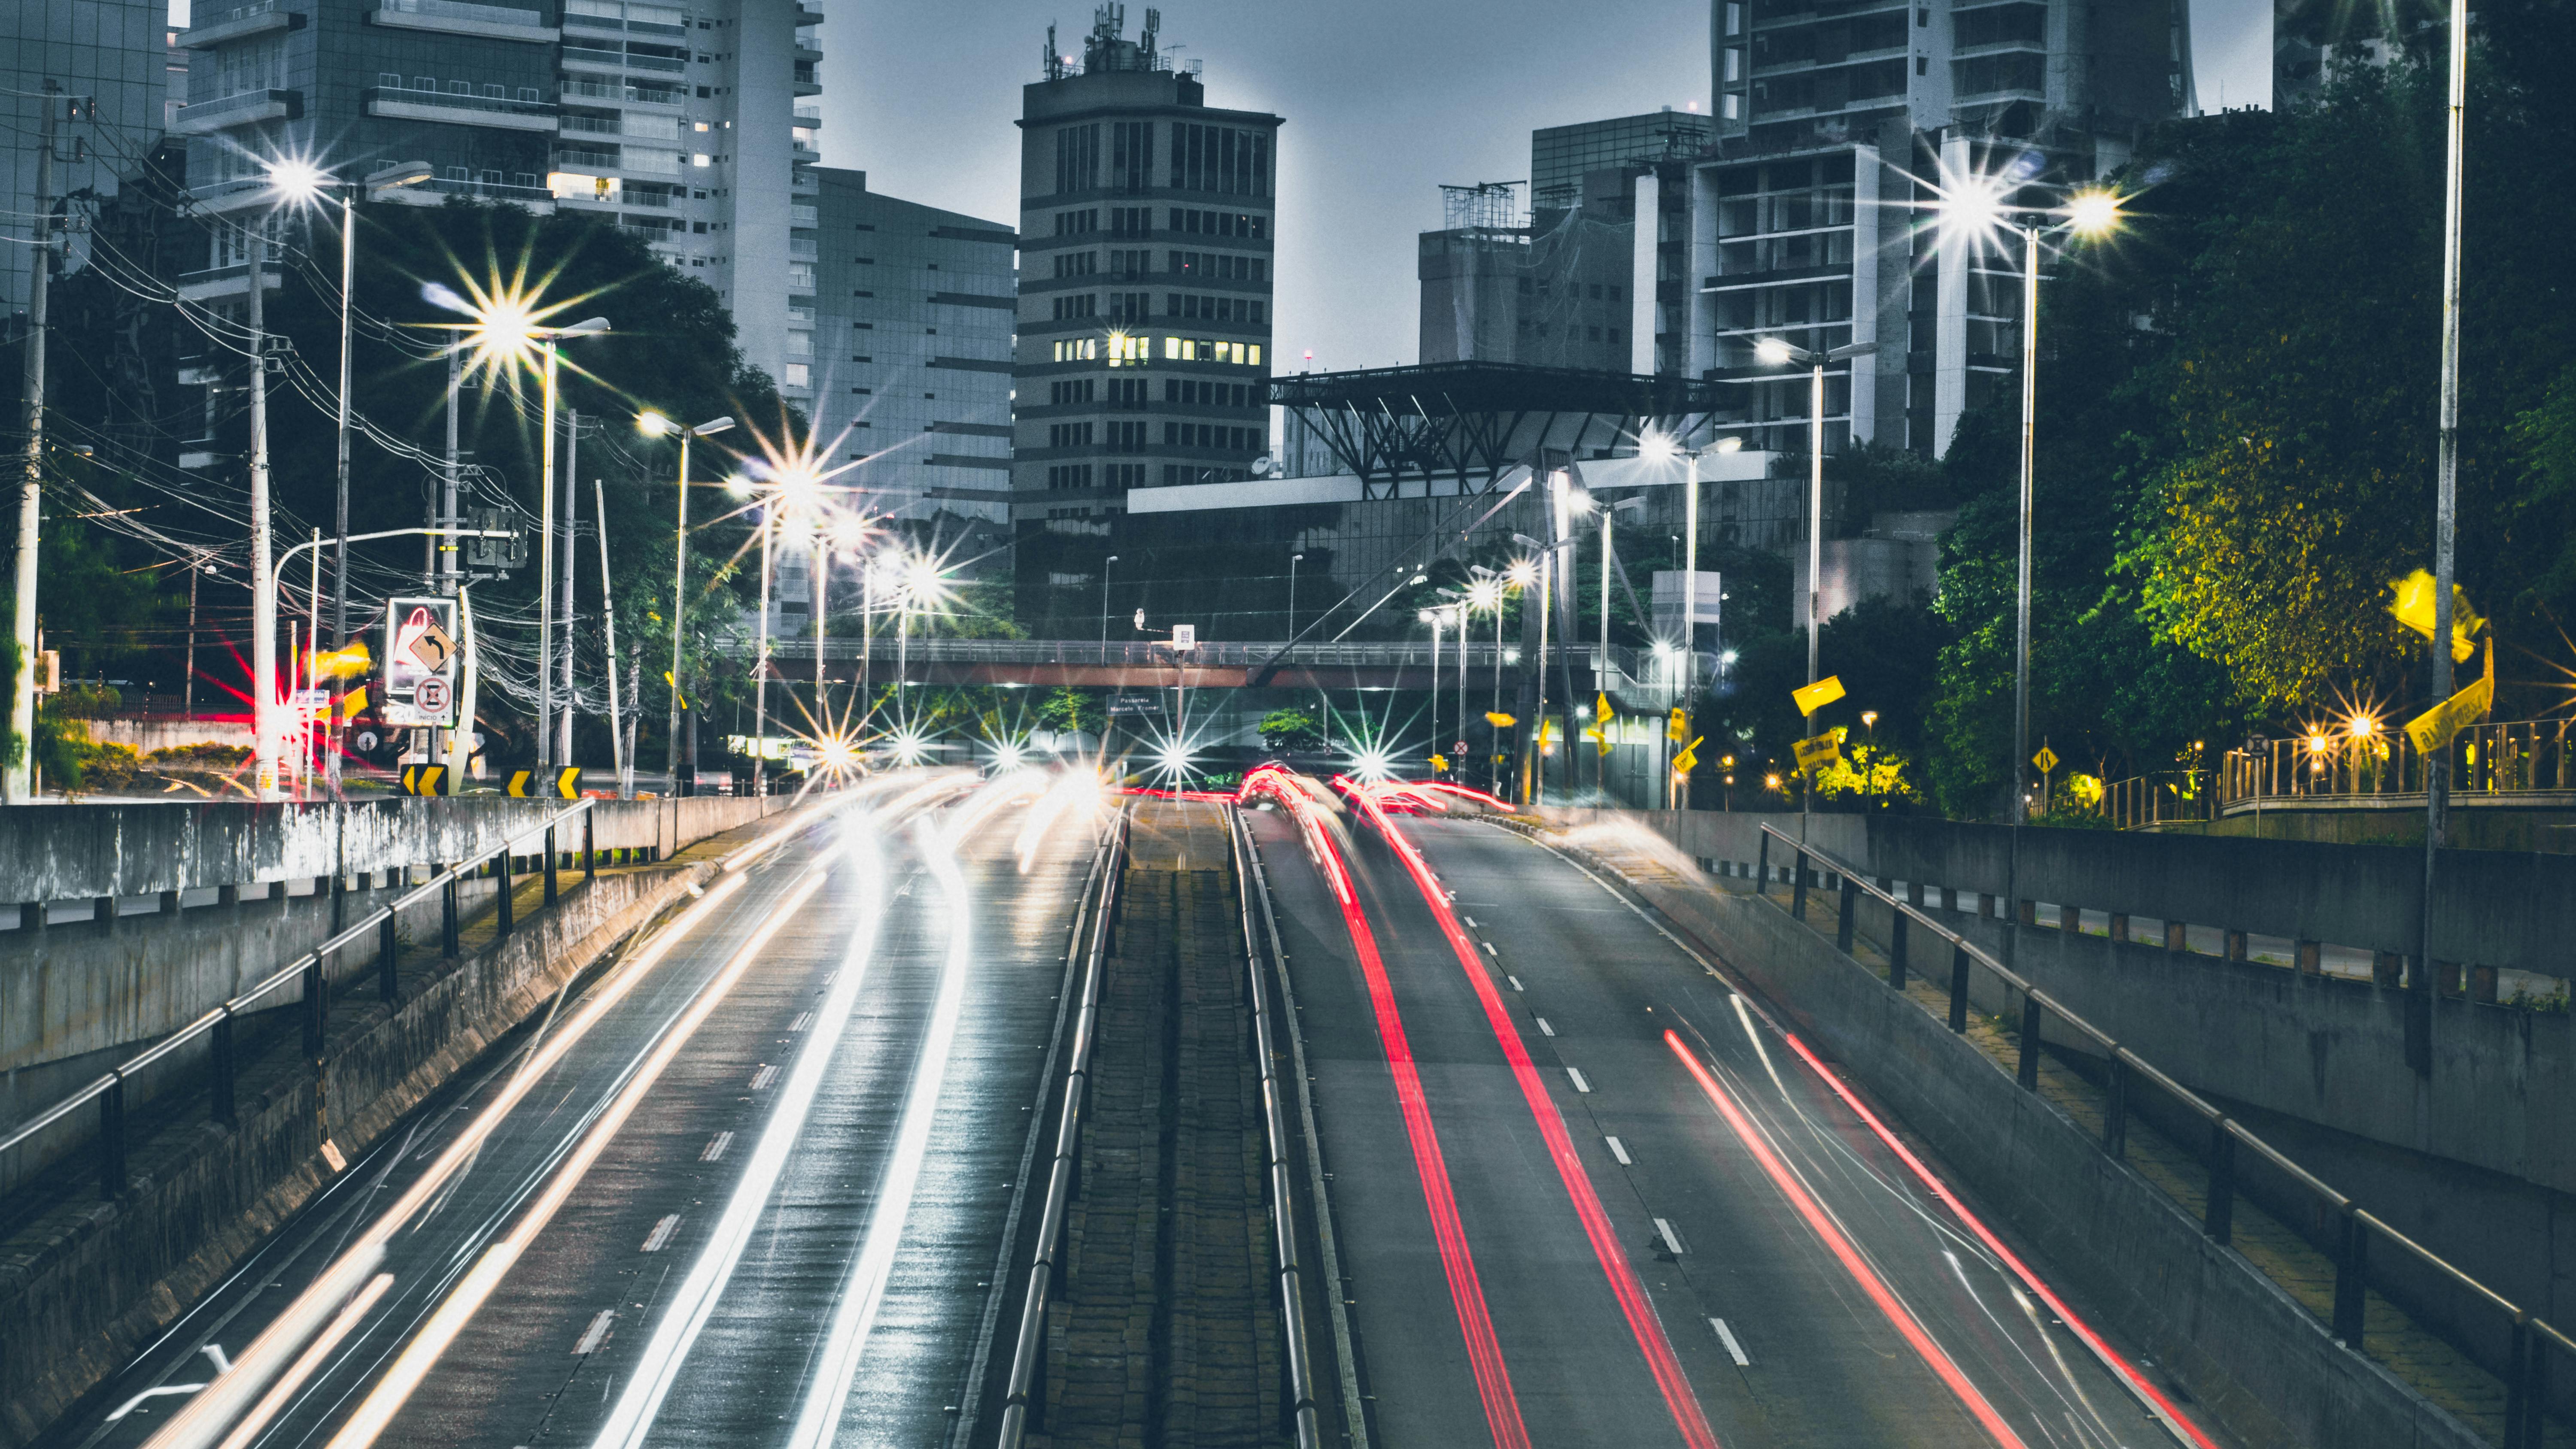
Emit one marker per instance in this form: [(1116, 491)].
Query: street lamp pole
[(760, 659), (2021, 566), (263, 567), (1105, 567), (655, 425), (551, 337), (1777, 352), (2437, 763)]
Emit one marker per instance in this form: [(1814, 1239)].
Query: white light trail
[(826, 1397), (695, 1302)]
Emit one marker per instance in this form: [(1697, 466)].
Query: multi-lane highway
[(1590, 1194), (763, 1179), (748, 1187)]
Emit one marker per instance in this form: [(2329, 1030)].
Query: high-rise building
[(913, 331), (1810, 219), (1548, 288), (1561, 156), (1146, 244), (689, 124), (108, 57)]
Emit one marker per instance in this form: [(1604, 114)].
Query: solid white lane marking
[(1664, 1230), (1619, 1151), (661, 1233), (1543, 1028), (1516, 982), (716, 1147), (1726, 1336), (1580, 1085), (132, 1404), (803, 1020), (591, 1336), (761, 1079)]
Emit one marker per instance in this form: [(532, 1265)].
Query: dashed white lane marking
[(1489, 948), (803, 1020), (716, 1148), (591, 1336), (1672, 1242), (1619, 1151), (1516, 982), (1543, 1028), (1580, 1085), (1471, 923), (661, 1233), (761, 1079), (1726, 1336)]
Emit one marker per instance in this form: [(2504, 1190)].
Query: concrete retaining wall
[(84, 852), (85, 1287), (2244, 1349), (2493, 908)]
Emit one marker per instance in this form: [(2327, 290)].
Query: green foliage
[(1291, 729), (1067, 709)]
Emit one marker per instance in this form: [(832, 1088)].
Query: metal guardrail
[(1283, 1203), (1346, 1360), (2526, 1370), (1205, 655), (2504, 758), (1023, 1394), (310, 968)]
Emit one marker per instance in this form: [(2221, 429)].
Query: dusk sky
[(1384, 102)]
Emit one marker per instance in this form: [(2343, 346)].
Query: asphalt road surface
[(748, 1187), (1715, 1247)]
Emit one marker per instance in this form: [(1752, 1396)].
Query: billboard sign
[(421, 662)]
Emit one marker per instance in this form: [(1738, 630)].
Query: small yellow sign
[(1677, 726), (1688, 759), (2046, 759), (1439, 764), (2433, 729), (1816, 696), (1499, 720), (1816, 753), (2414, 609), (341, 663)]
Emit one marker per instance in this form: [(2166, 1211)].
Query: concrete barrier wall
[(103, 1278), (84, 852), (2492, 908), (2253, 1358)]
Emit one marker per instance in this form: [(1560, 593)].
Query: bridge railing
[(214, 1034), (1638, 664), (2366, 1253), (2500, 759)]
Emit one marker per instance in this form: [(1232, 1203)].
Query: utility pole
[(571, 506), (22, 701), (453, 748)]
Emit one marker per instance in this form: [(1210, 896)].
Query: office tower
[(1810, 221), (913, 381), (1546, 288), (109, 58), (1146, 245), (698, 126), (1561, 156), (692, 125)]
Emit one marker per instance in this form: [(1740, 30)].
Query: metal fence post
[(2115, 1107), (501, 879), (388, 957), (1762, 871), (550, 865), (1798, 884), (447, 917), (2519, 1410), (1959, 988), (1847, 905), (226, 1069), (1896, 928), (2221, 1219), (2535, 1373), (2032, 1019), (589, 846), (317, 1005), (2352, 1265), (111, 1139)]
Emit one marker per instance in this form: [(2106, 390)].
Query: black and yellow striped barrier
[(567, 783)]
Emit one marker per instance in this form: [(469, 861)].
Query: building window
[(1077, 158), (799, 375)]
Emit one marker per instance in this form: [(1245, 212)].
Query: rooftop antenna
[(1054, 57), (1153, 28)]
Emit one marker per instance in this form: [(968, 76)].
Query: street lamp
[(654, 425), (1973, 208), (1105, 566), (1662, 446)]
